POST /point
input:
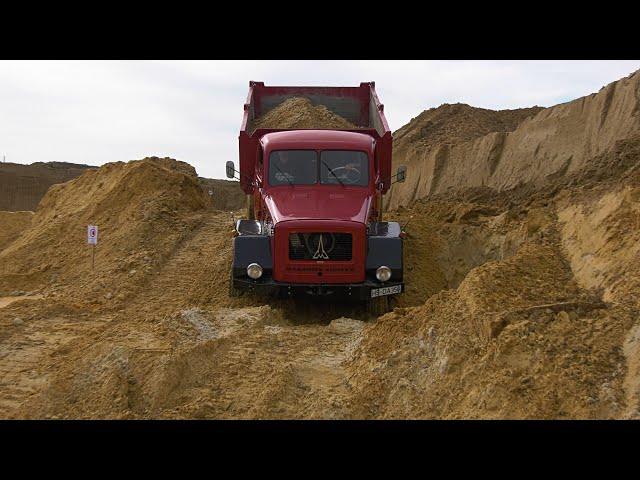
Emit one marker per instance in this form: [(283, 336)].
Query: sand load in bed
[(298, 112)]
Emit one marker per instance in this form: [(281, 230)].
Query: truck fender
[(249, 249), (384, 248)]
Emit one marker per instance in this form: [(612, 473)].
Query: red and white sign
[(92, 234)]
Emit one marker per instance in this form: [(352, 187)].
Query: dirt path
[(183, 348), (37, 342), (29, 354), (253, 363)]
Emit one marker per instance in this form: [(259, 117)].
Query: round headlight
[(383, 273), (254, 271)]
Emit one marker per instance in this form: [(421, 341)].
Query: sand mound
[(23, 186), (449, 124), (300, 113), (142, 208), (526, 334)]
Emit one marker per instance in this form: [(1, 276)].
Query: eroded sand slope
[(546, 144)]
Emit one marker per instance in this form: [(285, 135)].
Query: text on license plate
[(379, 292)]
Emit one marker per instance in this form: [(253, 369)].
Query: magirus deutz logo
[(321, 254)]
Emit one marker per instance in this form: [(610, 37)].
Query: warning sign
[(92, 234)]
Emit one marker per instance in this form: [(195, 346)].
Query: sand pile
[(526, 333), (555, 142), (300, 113), (143, 209)]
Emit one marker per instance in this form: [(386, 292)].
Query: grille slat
[(308, 246)]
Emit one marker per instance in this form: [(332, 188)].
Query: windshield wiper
[(332, 172), (286, 177)]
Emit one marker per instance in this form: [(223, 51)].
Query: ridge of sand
[(22, 186)]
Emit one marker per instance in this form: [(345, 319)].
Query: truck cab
[(314, 223)]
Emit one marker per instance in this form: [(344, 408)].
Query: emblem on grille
[(320, 253)]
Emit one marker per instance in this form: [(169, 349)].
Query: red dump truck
[(314, 223)]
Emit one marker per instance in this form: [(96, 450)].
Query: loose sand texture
[(522, 270), (298, 112)]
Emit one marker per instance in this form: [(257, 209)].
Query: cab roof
[(318, 140)]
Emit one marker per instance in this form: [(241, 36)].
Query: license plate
[(379, 292)]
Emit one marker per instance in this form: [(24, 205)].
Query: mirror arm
[(396, 181), (232, 171), (249, 179)]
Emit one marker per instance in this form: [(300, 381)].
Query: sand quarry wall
[(22, 186), (13, 223), (545, 323), (554, 142), (223, 194)]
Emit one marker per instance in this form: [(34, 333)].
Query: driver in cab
[(284, 172)]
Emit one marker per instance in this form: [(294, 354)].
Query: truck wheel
[(233, 291), (378, 306)]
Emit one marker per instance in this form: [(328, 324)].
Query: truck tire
[(378, 306)]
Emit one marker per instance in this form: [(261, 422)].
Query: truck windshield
[(293, 167), (344, 167), (336, 167)]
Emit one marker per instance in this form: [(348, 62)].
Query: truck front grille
[(326, 246)]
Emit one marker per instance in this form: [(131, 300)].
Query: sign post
[(92, 239)]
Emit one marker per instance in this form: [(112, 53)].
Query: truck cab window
[(344, 167), (295, 167)]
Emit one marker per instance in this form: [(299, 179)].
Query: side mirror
[(401, 176), (231, 169)]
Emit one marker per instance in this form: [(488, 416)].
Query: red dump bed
[(360, 105)]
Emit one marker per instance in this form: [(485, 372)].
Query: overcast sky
[(96, 112)]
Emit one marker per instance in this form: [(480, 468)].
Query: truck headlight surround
[(383, 273), (254, 271)]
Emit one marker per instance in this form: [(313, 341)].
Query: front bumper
[(354, 291)]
